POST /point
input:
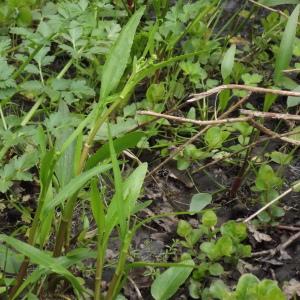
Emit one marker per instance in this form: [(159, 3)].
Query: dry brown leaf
[(292, 288), (259, 236)]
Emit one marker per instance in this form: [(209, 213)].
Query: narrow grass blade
[(97, 206), (285, 52), (127, 141), (64, 166), (277, 2), (42, 259), (119, 199), (45, 220), (74, 185), (118, 57)]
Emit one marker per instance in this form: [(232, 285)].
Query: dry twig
[(270, 115), (279, 248), (273, 134), (286, 227), (249, 88), (196, 122), (271, 9), (291, 189)]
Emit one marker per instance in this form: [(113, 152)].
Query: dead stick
[(279, 248), (249, 88), (271, 133), (287, 227), (270, 115), (290, 241), (196, 122), (291, 189), (271, 9)]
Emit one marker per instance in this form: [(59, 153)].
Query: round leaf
[(200, 201)]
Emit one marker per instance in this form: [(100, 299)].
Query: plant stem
[(32, 233), (99, 270), (114, 284), (3, 118)]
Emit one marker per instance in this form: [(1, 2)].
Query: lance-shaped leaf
[(285, 52), (118, 56)]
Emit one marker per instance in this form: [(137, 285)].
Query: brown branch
[(271, 9), (196, 122), (270, 115), (287, 227), (291, 189), (249, 88), (279, 248), (271, 133)]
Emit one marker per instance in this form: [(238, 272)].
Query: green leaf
[(281, 158), (266, 178), (184, 228), (215, 136), (252, 79), (133, 186), (219, 290), (195, 289), (182, 163), (296, 135), (131, 190), (285, 52), (118, 181), (296, 186), (127, 141), (269, 100), (9, 260), (200, 201), (24, 16), (118, 57), (293, 101), (246, 287), (224, 246), (228, 62), (97, 206), (156, 92), (268, 289), (237, 231), (216, 269), (209, 218), (45, 218), (64, 166), (75, 184), (278, 2), (42, 259), (167, 283)]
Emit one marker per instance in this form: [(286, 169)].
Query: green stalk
[(32, 111), (32, 233), (3, 118), (99, 269), (115, 282)]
